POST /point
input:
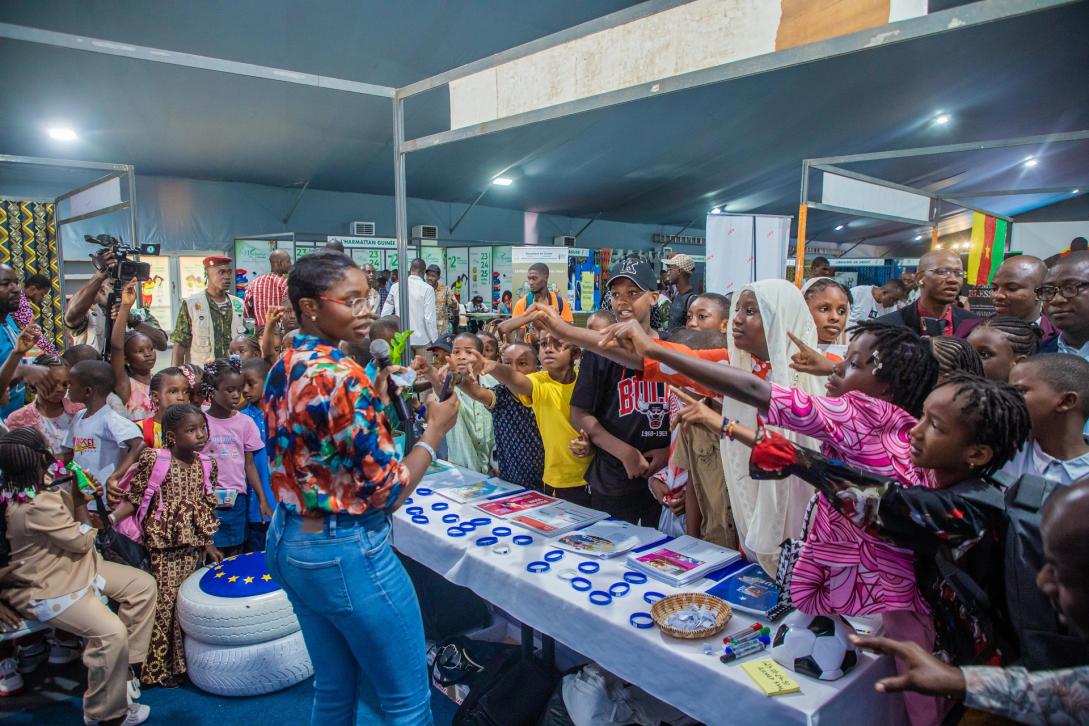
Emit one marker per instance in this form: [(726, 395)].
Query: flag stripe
[(976, 248), (998, 252)]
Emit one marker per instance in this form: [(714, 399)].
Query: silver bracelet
[(426, 447)]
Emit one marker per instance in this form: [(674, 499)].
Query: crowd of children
[(888, 453)]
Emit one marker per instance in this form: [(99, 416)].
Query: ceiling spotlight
[(938, 246), (502, 181), (1075, 191), (839, 227), (61, 133), (918, 237), (942, 118), (716, 210), (1030, 162)]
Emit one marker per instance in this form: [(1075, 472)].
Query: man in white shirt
[(872, 302), (421, 306)]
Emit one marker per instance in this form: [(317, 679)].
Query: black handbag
[(116, 547), (514, 692)]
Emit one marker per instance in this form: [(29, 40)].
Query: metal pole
[(799, 262), (132, 206), (401, 225)]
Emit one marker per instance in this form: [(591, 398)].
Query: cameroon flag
[(988, 248)]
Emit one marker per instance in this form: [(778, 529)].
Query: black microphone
[(380, 352)]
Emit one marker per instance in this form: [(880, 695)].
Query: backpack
[(1044, 642), (133, 525)]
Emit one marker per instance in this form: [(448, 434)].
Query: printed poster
[(435, 256), (523, 257), (480, 273), (155, 293), (457, 272), (502, 270), (250, 262), (190, 276)]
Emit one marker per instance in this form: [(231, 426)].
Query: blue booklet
[(750, 590)]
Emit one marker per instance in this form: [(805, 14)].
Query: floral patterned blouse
[(188, 517), (330, 447)]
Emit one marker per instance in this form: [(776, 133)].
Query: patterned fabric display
[(28, 242)]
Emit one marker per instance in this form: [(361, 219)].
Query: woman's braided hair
[(954, 354), (1024, 337), (23, 454), (996, 414), (904, 362), (174, 416), (216, 370)]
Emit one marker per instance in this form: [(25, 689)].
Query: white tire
[(248, 670), (233, 620)]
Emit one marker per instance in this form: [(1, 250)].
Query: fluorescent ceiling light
[(716, 210), (942, 118), (502, 181), (839, 227), (918, 237), (61, 133), (1075, 191), (1031, 162)]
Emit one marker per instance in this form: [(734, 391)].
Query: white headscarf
[(768, 512)]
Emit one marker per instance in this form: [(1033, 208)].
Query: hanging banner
[(391, 258), (502, 270), (384, 243), (743, 248), (523, 257), (480, 273), (457, 272), (367, 256)]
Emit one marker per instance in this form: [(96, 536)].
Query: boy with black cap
[(625, 417)]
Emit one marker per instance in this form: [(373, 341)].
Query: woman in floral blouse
[(338, 478)]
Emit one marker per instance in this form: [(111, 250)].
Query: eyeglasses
[(946, 272), (1069, 290), (358, 305)]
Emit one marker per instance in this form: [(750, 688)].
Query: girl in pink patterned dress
[(133, 357)]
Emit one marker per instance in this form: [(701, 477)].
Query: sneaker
[(11, 682), (61, 652), (32, 656), (134, 689), (136, 714)]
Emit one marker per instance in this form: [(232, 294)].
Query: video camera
[(125, 269)]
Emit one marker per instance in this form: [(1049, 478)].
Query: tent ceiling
[(663, 160)]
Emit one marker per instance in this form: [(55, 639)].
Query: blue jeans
[(359, 615)]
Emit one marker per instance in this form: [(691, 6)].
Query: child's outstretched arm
[(517, 383), (122, 387), (547, 317)]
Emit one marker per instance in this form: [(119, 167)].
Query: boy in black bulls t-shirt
[(624, 417)]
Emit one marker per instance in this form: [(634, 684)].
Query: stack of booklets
[(608, 538), (475, 491), (682, 560), (508, 507), (558, 518), (750, 590)]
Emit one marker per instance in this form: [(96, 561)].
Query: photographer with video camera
[(86, 315)]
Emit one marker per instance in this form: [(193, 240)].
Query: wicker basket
[(662, 609)]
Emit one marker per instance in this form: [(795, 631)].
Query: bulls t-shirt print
[(633, 410)]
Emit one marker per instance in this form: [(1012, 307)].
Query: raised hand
[(129, 293), (695, 412), (580, 446), (628, 335), (482, 366), (28, 338), (808, 360)]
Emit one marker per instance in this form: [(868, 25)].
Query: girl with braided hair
[(133, 357), (1002, 342), (955, 356), (970, 428), (58, 575), (177, 527), (232, 440)]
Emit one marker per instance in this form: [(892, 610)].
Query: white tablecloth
[(675, 671)]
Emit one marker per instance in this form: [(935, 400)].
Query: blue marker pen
[(744, 649)]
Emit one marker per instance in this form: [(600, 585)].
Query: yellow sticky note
[(771, 678)]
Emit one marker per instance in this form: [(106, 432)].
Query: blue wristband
[(423, 491), (581, 584), (439, 507), (408, 501), (420, 519), (650, 597), (414, 511), (619, 589), (589, 568), (522, 539), (454, 532), (600, 597), (537, 567), (450, 518), (635, 578), (467, 527), (554, 555), (642, 621), (480, 521), (485, 541), (501, 531)]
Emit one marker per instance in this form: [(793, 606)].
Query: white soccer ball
[(815, 645)]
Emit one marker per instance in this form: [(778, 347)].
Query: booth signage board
[(383, 243), (155, 293), (100, 196), (191, 278), (367, 256), (392, 258), (480, 273), (457, 272), (251, 261), (523, 257), (981, 300), (502, 272)]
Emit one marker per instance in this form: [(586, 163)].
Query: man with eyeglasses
[(940, 276), (1065, 295), (1014, 286)]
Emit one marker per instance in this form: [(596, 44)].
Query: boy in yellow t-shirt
[(548, 392)]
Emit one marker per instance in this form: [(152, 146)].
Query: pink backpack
[(133, 525)]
